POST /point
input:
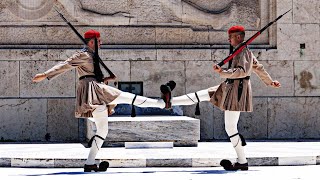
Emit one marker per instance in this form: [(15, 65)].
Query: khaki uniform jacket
[(226, 95), (90, 93)]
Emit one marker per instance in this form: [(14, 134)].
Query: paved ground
[(306, 172), (207, 154)]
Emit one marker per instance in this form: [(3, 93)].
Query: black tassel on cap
[(198, 105), (133, 110)]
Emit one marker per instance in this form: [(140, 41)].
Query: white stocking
[(100, 116), (191, 98), (231, 123), (140, 101)]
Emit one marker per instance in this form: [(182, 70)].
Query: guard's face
[(235, 39), (91, 43)]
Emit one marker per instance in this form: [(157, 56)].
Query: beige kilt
[(90, 94), (225, 96)]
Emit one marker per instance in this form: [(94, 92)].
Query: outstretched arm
[(263, 75), (62, 67)]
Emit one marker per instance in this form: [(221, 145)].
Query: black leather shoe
[(103, 166), (166, 95), (90, 168), (166, 90), (228, 166)]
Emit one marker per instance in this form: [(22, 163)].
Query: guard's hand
[(217, 68), (275, 84), (39, 77), (107, 79)]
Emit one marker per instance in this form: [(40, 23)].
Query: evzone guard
[(233, 96), (94, 98)]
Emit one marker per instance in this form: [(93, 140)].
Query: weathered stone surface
[(56, 87), (184, 54), (200, 75), (23, 119), (266, 161), (9, 78), (5, 162), (60, 54), (30, 162), (62, 126), (252, 125), (168, 35), (306, 11), (292, 37), (155, 73), (126, 35), (129, 54), (293, 118), (187, 162), (307, 77), (68, 163), (124, 163), (23, 54), (278, 70), (282, 7), (206, 119)]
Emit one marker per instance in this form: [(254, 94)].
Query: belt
[(229, 81), (87, 76)]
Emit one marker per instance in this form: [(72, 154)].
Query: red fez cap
[(91, 34), (236, 29)]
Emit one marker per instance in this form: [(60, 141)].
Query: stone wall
[(153, 42)]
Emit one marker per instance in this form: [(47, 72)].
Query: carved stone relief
[(206, 18)]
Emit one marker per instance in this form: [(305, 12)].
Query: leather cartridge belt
[(87, 76), (229, 81)]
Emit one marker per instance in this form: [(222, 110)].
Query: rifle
[(244, 44), (84, 42)]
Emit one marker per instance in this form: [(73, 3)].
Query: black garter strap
[(133, 110), (243, 141), (198, 105), (91, 140)]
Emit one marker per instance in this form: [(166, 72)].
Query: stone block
[(56, 87), (293, 118), (184, 54), (306, 12), (9, 77), (23, 119), (174, 129), (62, 126), (155, 73), (168, 35), (278, 70), (129, 35), (252, 125), (307, 78), (189, 36)]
